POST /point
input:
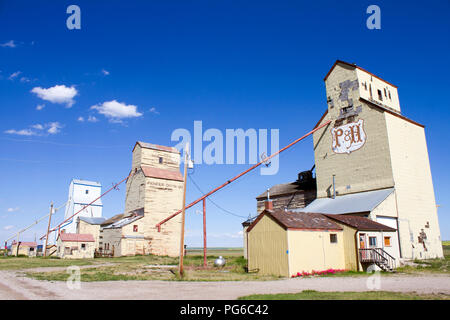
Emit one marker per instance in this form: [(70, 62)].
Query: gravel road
[(15, 286)]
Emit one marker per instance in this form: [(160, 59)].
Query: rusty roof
[(160, 173), (360, 223), (76, 237), (25, 243), (285, 188), (298, 220), (155, 147), (357, 67), (113, 219)]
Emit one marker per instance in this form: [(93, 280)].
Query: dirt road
[(14, 286)]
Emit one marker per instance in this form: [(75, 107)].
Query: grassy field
[(165, 268), (147, 267), (430, 266), (368, 295)]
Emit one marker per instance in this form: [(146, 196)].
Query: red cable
[(59, 225), (239, 175)]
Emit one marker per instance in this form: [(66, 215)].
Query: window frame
[(333, 236), (370, 242)]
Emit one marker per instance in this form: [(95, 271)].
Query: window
[(31, 249), (380, 95), (83, 246), (372, 241), (387, 241), (135, 228), (160, 160), (333, 238), (87, 191), (390, 95), (385, 94), (67, 250)]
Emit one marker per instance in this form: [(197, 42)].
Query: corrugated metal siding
[(267, 245)]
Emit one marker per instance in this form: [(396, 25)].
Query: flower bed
[(317, 273)]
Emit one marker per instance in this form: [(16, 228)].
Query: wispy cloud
[(13, 209), (116, 111), (39, 107), (105, 72), (38, 129), (153, 110), (57, 94), (8, 228), (14, 75), (9, 44)]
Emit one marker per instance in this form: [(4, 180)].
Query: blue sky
[(230, 64)]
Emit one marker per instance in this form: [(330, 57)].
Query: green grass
[(430, 265), (141, 268), (367, 295)]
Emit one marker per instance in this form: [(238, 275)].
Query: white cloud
[(8, 228), (14, 75), (153, 110), (23, 132), (105, 72), (38, 129), (24, 79), (81, 119), (54, 127), (40, 107), (13, 209), (116, 111), (57, 94), (38, 126), (92, 119), (9, 44)]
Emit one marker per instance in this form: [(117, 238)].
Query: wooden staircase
[(379, 257)]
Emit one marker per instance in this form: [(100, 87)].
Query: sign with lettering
[(348, 137)]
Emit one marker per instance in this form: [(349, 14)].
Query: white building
[(81, 193)]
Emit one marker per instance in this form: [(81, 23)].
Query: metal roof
[(298, 220), (350, 203), (155, 147), (90, 220), (359, 223), (135, 215), (160, 173), (87, 182)]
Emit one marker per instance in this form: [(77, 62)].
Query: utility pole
[(204, 233), (48, 229), (186, 159)]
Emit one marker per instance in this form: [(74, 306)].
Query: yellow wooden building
[(284, 243)]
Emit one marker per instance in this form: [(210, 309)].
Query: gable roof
[(298, 220), (155, 147), (160, 173), (25, 243), (360, 223), (349, 203), (76, 237), (285, 188), (356, 67)]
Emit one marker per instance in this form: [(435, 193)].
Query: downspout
[(398, 229), (334, 188)]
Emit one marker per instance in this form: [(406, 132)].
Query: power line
[(224, 210)]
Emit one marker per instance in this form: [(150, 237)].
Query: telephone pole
[(48, 229), (186, 159)]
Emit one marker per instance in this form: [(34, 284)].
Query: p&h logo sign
[(348, 137)]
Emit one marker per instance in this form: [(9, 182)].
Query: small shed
[(24, 248), (367, 243), (284, 242), (75, 245)]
